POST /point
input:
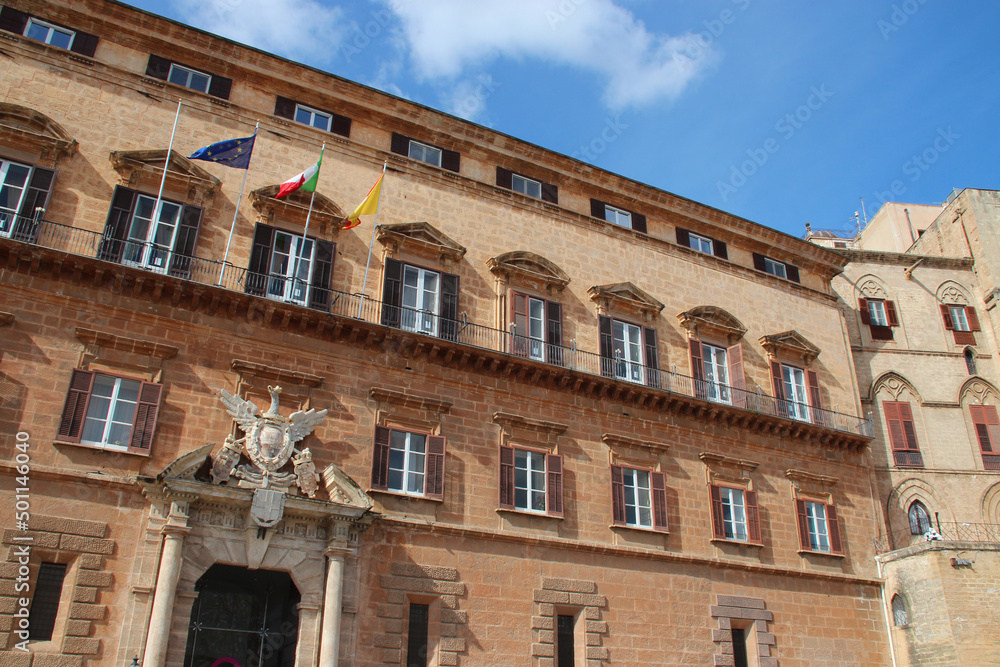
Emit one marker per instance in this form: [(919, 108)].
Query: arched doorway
[(243, 618)]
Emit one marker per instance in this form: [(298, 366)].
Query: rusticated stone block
[(425, 572), (447, 659), (91, 578), (588, 600), (93, 612), (452, 644), (81, 645), (568, 585), (84, 594), (724, 661), (596, 626), (552, 597), (454, 616), (57, 660), (90, 561), (542, 622), (543, 650), (597, 653), (78, 628), (39, 539), (71, 526), (383, 640), (734, 601), (91, 545), (15, 659)]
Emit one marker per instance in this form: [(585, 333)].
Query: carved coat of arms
[(269, 443)]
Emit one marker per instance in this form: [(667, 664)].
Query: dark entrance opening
[(247, 616)]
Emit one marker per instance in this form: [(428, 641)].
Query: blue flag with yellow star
[(234, 153)]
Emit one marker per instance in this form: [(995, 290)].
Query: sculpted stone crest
[(269, 442)]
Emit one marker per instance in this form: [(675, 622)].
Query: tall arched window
[(920, 519), (970, 360), (900, 617)]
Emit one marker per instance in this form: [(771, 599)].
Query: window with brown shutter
[(535, 328), (408, 462), (987, 425), (880, 317), (531, 481), (819, 527), (735, 515), (639, 498), (902, 434), (312, 116), (110, 412), (962, 321)]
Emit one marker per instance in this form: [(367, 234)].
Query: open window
[(735, 512), (628, 344), (530, 468), (795, 385), (880, 316), (716, 353)]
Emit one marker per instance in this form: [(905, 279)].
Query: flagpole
[(305, 232), (166, 166), (364, 285), (232, 227)]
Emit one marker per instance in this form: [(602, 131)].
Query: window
[(794, 400), (417, 635), (819, 529), (312, 117), (24, 191), (710, 366), (987, 425), (110, 412), (880, 316), (638, 498), (740, 656), (735, 516), (321, 119), (618, 216), (776, 268), (45, 601), (49, 34), (530, 481), (920, 519), (408, 462), (702, 243), (189, 77), (286, 267), (902, 434), (536, 328), (962, 321), (420, 300), (900, 617), (970, 360), (160, 240), (425, 152), (628, 352), (528, 186), (565, 651)]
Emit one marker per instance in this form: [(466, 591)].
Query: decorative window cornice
[(326, 215), (251, 370), (389, 397), (711, 320), (721, 468), (508, 422), (420, 238), (100, 339), (526, 267), (26, 129), (624, 442), (624, 297), (789, 344), (136, 167)]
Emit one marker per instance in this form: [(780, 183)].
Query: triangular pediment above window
[(624, 298), (294, 207), (523, 267), (146, 167), (712, 320), (420, 238), (789, 344), (22, 128)]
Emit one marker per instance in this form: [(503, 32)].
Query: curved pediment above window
[(624, 298), (789, 344), (526, 267), (22, 128), (420, 238), (702, 321), (294, 207), (146, 168)]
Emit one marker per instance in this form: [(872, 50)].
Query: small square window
[(526, 186), (701, 244), (312, 117), (618, 216), (775, 268), (49, 34), (189, 78), (425, 153)]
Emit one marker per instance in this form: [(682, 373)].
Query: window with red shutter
[(735, 515), (110, 412), (987, 425), (531, 481), (902, 434), (408, 462), (639, 498), (819, 527)]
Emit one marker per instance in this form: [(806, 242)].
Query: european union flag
[(234, 153)]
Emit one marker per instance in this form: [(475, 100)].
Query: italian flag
[(305, 181)]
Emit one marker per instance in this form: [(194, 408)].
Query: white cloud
[(447, 37), (467, 98), (304, 30)]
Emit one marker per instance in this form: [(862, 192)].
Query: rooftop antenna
[(863, 210)]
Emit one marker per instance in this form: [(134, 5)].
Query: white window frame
[(536, 328), (817, 527), (734, 514), (424, 153), (876, 313), (8, 217), (107, 418), (775, 268), (959, 319), (52, 29), (618, 216), (526, 463), (413, 471), (281, 285), (701, 243), (191, 73), (638, 497), (796, 392), (628, 349), (314, 115), (522, 184), (417, 316), (142, 250), (715, 366)]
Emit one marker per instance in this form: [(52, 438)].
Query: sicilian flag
[(233, 153), (305, 181), (368, 206)]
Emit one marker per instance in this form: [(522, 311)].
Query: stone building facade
[(554, 425)]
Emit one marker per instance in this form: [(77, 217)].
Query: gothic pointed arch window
[(900, 615), (920, 518), (877, 311), (970, 360), (958, 314), (900, 407)]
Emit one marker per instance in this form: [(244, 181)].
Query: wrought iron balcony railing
[(939, 531), (421, 322)]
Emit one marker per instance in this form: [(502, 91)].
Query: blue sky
[(777, 111)]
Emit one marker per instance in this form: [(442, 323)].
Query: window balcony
[(988, 533), (423, 329)]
